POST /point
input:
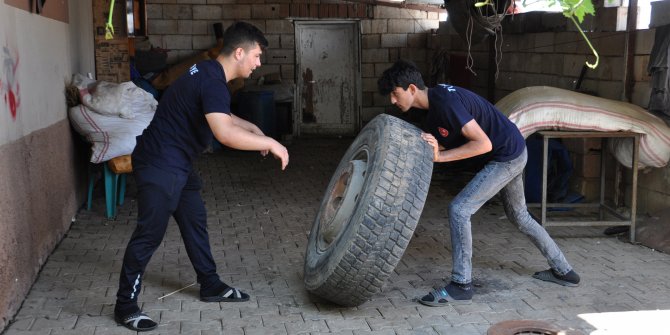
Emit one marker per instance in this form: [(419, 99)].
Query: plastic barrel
[(258, 107)]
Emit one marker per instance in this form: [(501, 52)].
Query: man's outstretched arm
[(231, 135)]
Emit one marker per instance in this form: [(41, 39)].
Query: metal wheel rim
[(342, 200)]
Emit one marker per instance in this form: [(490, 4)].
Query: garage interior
[(60, 259)]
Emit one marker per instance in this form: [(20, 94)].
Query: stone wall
[(387, 33)]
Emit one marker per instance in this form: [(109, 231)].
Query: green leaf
[(585, 8), (577, 8)]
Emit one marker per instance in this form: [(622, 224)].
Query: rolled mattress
[(549, 108)]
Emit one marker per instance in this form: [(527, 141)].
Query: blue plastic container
[(258, 107)]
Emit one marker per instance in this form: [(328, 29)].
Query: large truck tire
[(369, 212)]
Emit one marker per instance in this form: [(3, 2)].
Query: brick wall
[(387, 33)]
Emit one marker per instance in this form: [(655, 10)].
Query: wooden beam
[(629, 51), (425, 8)]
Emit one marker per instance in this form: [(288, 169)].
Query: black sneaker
[(570, 279), (452, 294)]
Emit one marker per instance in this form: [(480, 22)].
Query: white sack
[(125, 99), (110, 136)]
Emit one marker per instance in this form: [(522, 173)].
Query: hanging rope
[(469, 61), (485, 15)]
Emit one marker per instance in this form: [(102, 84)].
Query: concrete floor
[(259, 219)]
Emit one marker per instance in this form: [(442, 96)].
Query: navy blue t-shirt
[(451, 107), (179, 130)]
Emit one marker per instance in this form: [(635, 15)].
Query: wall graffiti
[(9, 86)]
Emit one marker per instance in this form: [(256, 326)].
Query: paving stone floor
[(259, 218)]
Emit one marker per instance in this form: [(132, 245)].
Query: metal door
[(328, 77)]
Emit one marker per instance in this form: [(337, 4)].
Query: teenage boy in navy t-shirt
[(460, 125), (195, 107)]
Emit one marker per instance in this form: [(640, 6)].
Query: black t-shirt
[(451, 107), (179, 130)]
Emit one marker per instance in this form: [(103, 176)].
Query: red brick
[(323, 11), (284, 10), (342, 11), (314, 10)]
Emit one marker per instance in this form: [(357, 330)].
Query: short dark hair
[(401, 74), (242, 35)]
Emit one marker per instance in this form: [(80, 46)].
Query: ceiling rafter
[(427, 7)]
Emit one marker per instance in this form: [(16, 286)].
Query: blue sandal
[(439, 297)]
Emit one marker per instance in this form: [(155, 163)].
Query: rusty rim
[(342, 200)]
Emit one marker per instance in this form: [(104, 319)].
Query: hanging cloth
[(659, 63)]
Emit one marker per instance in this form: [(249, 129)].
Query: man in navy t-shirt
[(460, 125), (194, 107)]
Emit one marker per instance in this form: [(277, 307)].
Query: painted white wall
[(40, 49), (81, 37)]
